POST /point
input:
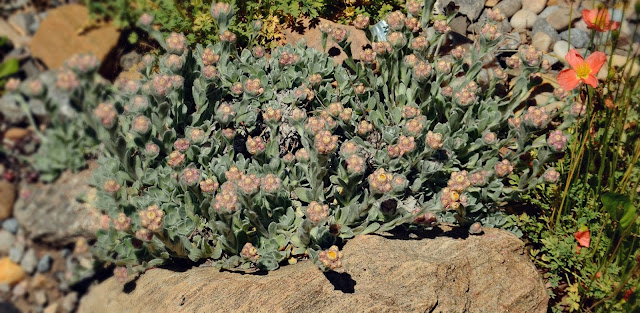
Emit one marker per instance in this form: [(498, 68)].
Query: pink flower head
[(583, 236), (599, 19), (581, 70)]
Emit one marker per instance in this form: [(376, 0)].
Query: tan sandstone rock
[(61, 35), (488, 273)]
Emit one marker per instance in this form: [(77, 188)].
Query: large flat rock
[(66, 31), (51, 213), (488, 273)]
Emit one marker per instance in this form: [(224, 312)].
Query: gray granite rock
[(547, 11), (29, 261), (16, 252), (11, 225), (541, 25), (508, 7), (44, 265), (6, 241), (579, 37), (470, 8)]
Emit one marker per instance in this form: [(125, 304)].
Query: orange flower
[(581, 70), (583, 237), (599, 19)]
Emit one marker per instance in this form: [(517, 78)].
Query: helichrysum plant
[(249, 160)]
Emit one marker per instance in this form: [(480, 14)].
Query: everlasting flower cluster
[(249, 160)]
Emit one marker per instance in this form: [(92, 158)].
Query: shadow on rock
[(341, 281)]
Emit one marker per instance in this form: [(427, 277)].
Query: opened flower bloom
[(581, 70), (599, 19), (583, 236)]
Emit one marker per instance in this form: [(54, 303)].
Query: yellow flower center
[(332, 255), (151, 215), (583, 70), (382, 177)]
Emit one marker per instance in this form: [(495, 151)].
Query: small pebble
[(20, 289), (579, 37), (7, 240), (70, 301), (44, 265), (41, 297), (11, 225), (29, 261), (16, 253)]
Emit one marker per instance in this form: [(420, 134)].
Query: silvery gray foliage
[(248, 160)]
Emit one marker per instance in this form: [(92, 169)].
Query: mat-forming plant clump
[(252, 160)]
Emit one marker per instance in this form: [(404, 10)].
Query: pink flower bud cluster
[(227, 199), (490, 138), (83, 63), (395, 20), (514, 61), (530, 54), (176, 43), (451, 199), (174, 62), (560, 93), (503, 168), (209, 185), (12, 84), (325, 27), (304, 93), (237, 88), (120, 274), (228, 36), (162, 84), (578, 109), (111, 186), (411, 60), (315, 79), (302, 155), (106, 113), (151, 218), (414, 7), (349, 148), (397, 39), (444, 66), (412, 24), (229, 133), (175, 159), (536, 117), (288, 58), (364, 127), (410, 111), (225, 113), (270, 183), (459, 52), (557, 140), (253, 87), (325, 143), (181, 144), (434, 140), (359, 89), (67, 80), (414, 126), (490, 31), (249, 184), (380, 181), (151, 150), (495, 15), (467, 95), (479, 178), (255, 145), (355, 164), (339, 35), (551, 175), (441, 26), (141, 124), (382, 48), (317, 212), (361, 22), (196, 135), (368, 56), (209, 57), (122, 222), (249, 252), (459, 181), (190, 176), (404, 146), (421, 71), (272, 115), (220, 10), (515, 122), (145, 19), (258, 52), (330, 258)]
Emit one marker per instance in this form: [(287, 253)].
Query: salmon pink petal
[(568, 79), (596, 60), (583, 238), (574, 58), (589, 17), (614, 25), (591, 80)]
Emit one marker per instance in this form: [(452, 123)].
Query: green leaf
[(620, 208), (9, 67), (304, 194)]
